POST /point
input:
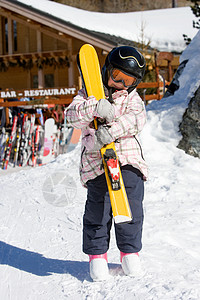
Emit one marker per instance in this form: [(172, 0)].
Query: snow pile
[(190, 80), (164, 28)]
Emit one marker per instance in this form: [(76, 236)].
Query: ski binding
[(112, 163)]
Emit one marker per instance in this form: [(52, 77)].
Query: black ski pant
[(97, 219)]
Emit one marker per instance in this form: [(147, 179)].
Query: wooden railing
[(62, 101), (67, 99), (160, 85)]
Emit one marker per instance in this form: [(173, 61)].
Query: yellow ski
[(89, 68)]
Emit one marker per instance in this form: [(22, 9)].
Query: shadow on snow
[(39, 265)]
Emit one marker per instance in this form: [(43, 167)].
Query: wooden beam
[(39, 102), (152, 97), (147, 85), (36, 54)]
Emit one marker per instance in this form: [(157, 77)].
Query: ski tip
[(87, 46), (122, 219)]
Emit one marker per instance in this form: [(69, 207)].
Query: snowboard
[(88, 64), (48, 140)]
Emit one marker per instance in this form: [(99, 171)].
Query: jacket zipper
[(140, 147), (82, 155)]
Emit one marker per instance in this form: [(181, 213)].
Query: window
[(48, 80), (6, 34), (35, 81), (14, 34)]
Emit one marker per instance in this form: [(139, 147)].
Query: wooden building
[(38, 50)]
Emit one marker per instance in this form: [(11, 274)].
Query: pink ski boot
[(131, 264), (99, 267)]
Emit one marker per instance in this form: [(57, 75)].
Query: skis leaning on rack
[(89, 68), (20, 145), (26, 143)]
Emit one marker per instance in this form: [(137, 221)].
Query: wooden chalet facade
[(38, 50)]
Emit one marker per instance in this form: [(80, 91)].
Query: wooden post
[(7, 117), (170, 74), (40, 71), (157, 75), (1, 35), (26, 40), (71, 66), (10, 36)]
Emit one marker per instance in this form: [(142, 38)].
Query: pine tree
[(195, 7), (196, 11)]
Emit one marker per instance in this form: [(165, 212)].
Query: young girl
[(121, 119)]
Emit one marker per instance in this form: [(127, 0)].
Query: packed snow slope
[(41, 213), (164, 28), (40, 239)]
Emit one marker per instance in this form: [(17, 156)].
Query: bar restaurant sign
[(37, 93)]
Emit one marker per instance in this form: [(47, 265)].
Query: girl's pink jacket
[(129, 120)]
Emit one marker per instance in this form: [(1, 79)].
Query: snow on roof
[(163, 27)]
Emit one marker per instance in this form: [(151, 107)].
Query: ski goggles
[(119, 76)]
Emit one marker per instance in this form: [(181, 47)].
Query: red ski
[(9, 148)]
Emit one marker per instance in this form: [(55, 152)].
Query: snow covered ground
[(41, 237), (41, 219), (40, 240)]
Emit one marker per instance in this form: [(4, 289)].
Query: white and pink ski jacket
[(129, 120)]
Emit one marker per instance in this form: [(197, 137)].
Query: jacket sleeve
[(81, 111), (132, 122)]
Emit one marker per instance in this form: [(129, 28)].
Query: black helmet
[(128, 60)]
